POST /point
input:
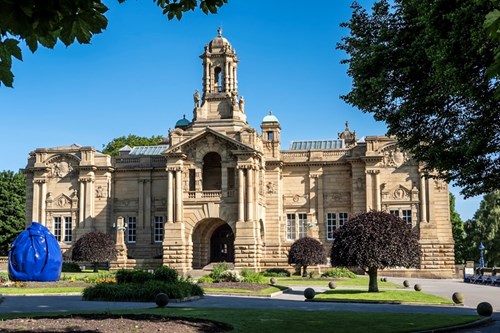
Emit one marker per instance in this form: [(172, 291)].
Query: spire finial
[(219, 31), (347, 124)]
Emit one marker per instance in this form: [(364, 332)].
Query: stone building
[(220, 190)]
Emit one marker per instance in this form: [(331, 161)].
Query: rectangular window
[(302, 225), (331, 225), (343, 217), (68, 229), (290, 227), (158, 229), (230, 179), (57, 228), (270, 136), (131, 229), (394, 212), (192, 179), (406, 215)]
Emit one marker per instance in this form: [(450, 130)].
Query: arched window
[(212, 172), (218, 79)]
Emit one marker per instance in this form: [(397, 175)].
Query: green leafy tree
[(373, 241), (457, 228), (420, 66), (116, 144), (305, 252), (492, 25), (485, 228), (47, 22), (12, 208), (94, 247)]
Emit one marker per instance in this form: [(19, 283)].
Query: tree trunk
[(304, 274), (96, 267), (373, 284)]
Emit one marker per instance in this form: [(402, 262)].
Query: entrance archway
[(222, 244)]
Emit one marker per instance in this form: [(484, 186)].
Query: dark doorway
[(222, 244)]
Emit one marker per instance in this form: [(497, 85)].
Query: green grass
[(271, 321), (354, 282), (55, 290), (391, 296), (265, 291)]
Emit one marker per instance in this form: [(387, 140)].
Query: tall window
[(57, 228), (296, 226), (63, 228), (290, 226), (333, 223), (68, 229), (131, 229), (405, 214), (158, 229)]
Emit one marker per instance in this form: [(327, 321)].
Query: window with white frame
[(404, 214), (62, 228), (333, 222), (296, 226), (158, 229), (68, 229), (131, 229)]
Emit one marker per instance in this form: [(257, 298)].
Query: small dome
[(182, 123), (270, 118), (219, 43)]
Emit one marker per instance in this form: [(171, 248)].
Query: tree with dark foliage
[(427, 69), (94, 247), (12, 208), (47, 22), (373, 241), (305, 252)]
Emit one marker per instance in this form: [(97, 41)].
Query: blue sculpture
[(35, 255)]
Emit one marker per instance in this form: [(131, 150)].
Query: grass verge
[(385, 296), (271, 321), (265, 291), (354, 282), (27, 291)]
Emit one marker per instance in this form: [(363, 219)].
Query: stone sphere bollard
[(332, 285), (309, 293), (272, 280), (457, 298), (161, 300), (417, 287), (406, 283), (484, 309)]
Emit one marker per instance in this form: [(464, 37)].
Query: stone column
[(36, 200), (147, 203), (423, 199), (378, 201), (369, 191), (226, 77), (241, 195), (250, 200), (121, 247), (178, 195), (170, 198), (81, 203), (43, 203)]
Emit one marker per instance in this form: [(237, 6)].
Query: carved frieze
[(399, 193), (337, 198), (394, 157), (296, 199), (60, 167), (126, 202)]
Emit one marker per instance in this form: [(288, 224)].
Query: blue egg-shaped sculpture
[(35, 255)]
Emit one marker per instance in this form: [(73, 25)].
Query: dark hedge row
[(165, 274)]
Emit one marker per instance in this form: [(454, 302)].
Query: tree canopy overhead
[(373, 241), (12, 208), (47, 22), (421, 67)]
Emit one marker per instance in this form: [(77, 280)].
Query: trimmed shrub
[(205, 279), (140, 292), (305, 252), (70, 267), (133, 276), (166, 274), (95, 247), (250, 276), (338, 273), (276, 272)]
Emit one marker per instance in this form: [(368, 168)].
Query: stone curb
[(478, 323)]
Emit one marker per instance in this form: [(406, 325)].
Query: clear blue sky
[(138, 77)]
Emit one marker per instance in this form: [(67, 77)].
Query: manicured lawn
[(271, 321), (392, 296), (354, 282), (265, 291), (55, 290)]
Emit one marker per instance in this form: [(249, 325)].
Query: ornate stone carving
[(60, 167), (99, 192), (126, 202), (270, 188), (296, 199), (394, 157), (398, 193), (336, 198), (439, 185), (62, 201)]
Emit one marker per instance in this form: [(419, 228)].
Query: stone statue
[(196, 98), (242, 104)]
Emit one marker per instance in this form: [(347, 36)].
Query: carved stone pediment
[(60, 202), (61, 166), (295, 199), (400, 193), (393, 156)]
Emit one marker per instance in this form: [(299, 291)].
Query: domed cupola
[(348, 136), (182, 123), (220, 44), (270, 118)]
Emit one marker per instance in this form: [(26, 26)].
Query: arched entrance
[(212, 241), (222, 244)]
